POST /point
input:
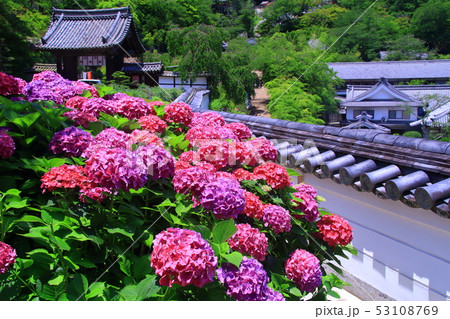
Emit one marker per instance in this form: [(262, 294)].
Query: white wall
[(167, 82), (403, 252)]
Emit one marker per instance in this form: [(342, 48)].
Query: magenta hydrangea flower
[(250, 241), (86, 87), (7, 146), (183, 257), (304, 269), (305, 188), (10, 85), (308, 206), (224, 197), (240, 130), (207, 119), (96, 105), (116, 168), (38, 90), (178, 112), (277, 218), (191, 180), (7, 257), (71, 141), (269, 294), (48, 76), (262, 149), (246, 283), (158, 162), (108, 138), (133, 107)]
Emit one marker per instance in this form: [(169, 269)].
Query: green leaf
[(96, 290), (203, 230), (48, 292), (148, 242), (147, 288), (222, 231), (352, 250), (56, 280), (42, 256), (334, 294), (121, 231), (295, 291), (235, 258), (24, 122), (46, 217), (78, 285), (125, 266), (17, 204), (61, 243), (9, 287), (129, 293)]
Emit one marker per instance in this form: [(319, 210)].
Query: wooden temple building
[(105, 35)]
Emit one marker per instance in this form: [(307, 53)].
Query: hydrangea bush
[(108, 197)]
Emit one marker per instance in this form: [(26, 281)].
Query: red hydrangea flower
[(334, 230), (191, 180), (304, 269), (180, 165), (207, 119), (80, 118), (308, 206), (142, 137), (262, 149), (275, 175), (187, 157), (305, 188), (152, 123), (10, 85), (219, 174), (215, 152), (183, 257), (244, 175), (7, 145), (98, 194), (240, 155), (7, 257), (277, 218), (250, 241), (253, 206), (224, 197), (71, 141), (64, 176), (134, 107), (76, 102), (178, 112), (240, 130)]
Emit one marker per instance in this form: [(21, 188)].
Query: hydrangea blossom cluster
[(277, 218), (142, 137), (248, 282), (263, 149), (242, 174), (187, 157), (253, 206), (7, 146), (108, 138), (207, 119), (275, 175), (334, 230), (96, 105), (240, 130), (304, 269), (152, 123), (71, 141), (241, 155), (224, 197), (305, 188), (178, 112), (183, 257), (76, 102), (157, 162), (10, 85), (250, 241), (215, 152), (191, 181), (199, 135), (133, 107), (7, 257), (116, 168), (87, 87), (180, 165), (64, 176), (96, 193), (308, 206), (80, 118)]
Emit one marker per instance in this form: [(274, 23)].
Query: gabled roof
[(399, 70), (82, 30), (382, 94), (363, 122), (153, 67)]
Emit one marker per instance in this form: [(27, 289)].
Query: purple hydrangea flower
[(271, 295), (224, 197), (158, 162), (71, 141), (108, 138), (246, 283), (7, 145), (277, 218)]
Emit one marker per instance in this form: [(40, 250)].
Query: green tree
[(405, 48), (431, 23)]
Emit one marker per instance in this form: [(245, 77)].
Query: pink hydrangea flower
[(152, 123), (76, 102), (80, 118), (158, 162), (240, 130), (7, 257), (262, 149), (304, 269), (187, 157), (87, 87), (207, 119), (250, 241), (7, 146), (108, 138), (305, 188), (253, 206), (64, 176), (134, 107), (178, 113), (308, 206), (191, 180), (277, 218), (224, 197), (200, 135), (275, 175), (183, 257), (240, 155), (215, 152), (143, 137), (334, 230), (71, 141), (96, 105)]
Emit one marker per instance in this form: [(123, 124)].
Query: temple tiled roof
[(81, 30), (152, 67), (401, 70)]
